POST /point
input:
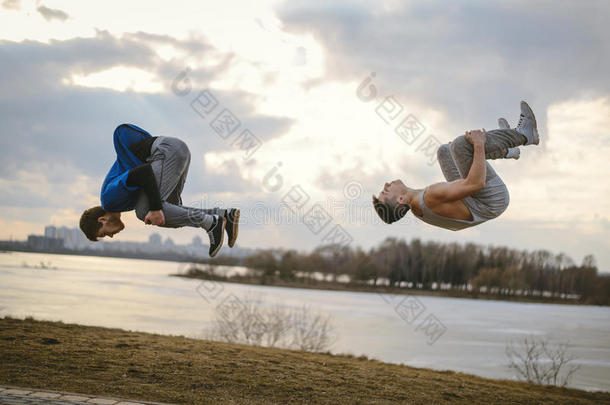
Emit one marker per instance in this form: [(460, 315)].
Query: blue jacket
[(116, 195)]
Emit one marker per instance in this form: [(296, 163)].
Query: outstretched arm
[(475, 181)]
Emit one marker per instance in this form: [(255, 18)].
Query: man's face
[(391, 191), (111, 225)]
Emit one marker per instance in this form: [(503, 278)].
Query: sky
[(320, 93)]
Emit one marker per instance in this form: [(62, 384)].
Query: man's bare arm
[(475, 181), (477, 172)]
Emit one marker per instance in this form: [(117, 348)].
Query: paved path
[(22, 396)]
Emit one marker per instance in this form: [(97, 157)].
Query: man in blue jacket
[(148, 176)]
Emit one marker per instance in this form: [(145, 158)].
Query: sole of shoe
[(235, 229), (222, 238), (515, 155), (536, 139)]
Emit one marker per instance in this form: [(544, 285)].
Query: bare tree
[(250, 321), (540, 362), (238, 320), (311, 331), (277, 326)]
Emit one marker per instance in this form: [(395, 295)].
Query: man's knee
[(183, 155), (501, 207), (507, 199), (443, 152), (187, 154), (460, 145), (181, 149)]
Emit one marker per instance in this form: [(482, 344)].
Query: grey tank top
[(446, 222)]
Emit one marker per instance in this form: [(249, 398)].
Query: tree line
[(470, 268)]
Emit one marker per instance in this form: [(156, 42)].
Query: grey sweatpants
[(170, 159), (455, 159)]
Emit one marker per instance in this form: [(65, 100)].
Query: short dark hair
[(390, 212), (89, 223)]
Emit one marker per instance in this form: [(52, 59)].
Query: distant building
[(50, 231), (73, 238), (60, 238), (44, 242), (154, 239), (196, 241)]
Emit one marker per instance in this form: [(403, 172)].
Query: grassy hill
[(115, 362)]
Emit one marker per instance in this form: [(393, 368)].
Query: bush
[(250, 321), (537, 361)]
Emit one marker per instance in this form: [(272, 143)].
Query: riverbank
[(310, 283), (115, 362)]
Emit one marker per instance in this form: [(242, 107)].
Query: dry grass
[(144, 366)]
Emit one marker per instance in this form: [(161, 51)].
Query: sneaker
[(511, 153), (503, 124), (232, 218), (216, 234), (527, 125)]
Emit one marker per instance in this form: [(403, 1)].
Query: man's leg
[(497, 141), (176, 196), (170, 160), (510, 153), (494, 197), (448, 167), (499, 154)]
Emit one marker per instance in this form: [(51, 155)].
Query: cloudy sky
[(290, 73)]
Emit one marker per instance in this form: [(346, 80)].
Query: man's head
[(391, 204), (97, 223)]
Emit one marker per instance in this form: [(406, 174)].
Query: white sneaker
[(527, 125), (511, 153)]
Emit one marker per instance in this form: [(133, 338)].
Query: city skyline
[(64, 238)]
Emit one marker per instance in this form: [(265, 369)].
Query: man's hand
[(155, 218), (476, 136)]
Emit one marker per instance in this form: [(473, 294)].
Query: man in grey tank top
[(473, 192)]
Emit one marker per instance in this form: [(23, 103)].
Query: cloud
[(45, 114), (56, 136), (11, 4), (566, 178), (50, 14), (472, 60)]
